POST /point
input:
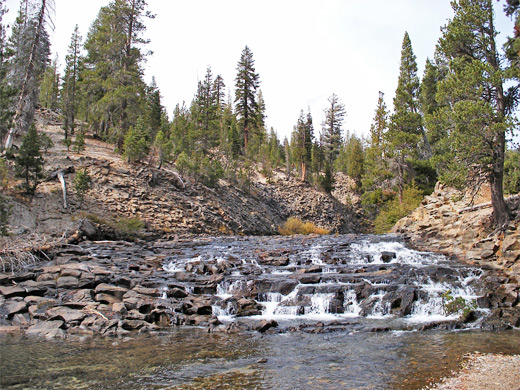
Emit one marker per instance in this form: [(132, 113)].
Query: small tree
[(29, 161), (5, 211), (82, 183), (164, 148), (79, 142)]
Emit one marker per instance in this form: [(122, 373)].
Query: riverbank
[(484, 372)]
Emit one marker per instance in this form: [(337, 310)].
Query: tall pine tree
[(405, 130), (477, 110), (69, 91), (246, 83), (332, 128)]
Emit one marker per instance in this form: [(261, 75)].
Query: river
[(346, 312)]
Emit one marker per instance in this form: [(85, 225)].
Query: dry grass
[(297, 226), (17, 254)]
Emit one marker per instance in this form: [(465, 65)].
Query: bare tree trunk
[(63, 188)]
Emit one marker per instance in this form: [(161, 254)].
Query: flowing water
[(350, 314)]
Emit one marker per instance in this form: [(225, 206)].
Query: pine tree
[(512, 46), (154, 108), (355, 159), (377, 175), (476, 107), (30, 44), (301, 143), (29, 161), (246, 83), (6, 91), (428, 102), (404, 134), (332, 128), (205, 113), (69, 91), (137, 142), (50, 86), (113, 80)]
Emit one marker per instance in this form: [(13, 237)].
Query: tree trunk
[(63, 188), (501, 214)]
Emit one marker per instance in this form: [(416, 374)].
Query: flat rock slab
[(65, 313), (12, 291), (44, 328)]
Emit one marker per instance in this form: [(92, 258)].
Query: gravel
[(484, 372)]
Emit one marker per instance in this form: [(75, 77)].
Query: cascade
[(337, 278)]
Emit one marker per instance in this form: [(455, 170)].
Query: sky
[(304, 50)]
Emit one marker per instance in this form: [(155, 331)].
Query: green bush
[(128, 227), (5, 211), (394, 210), (81, 184), (459, 305)]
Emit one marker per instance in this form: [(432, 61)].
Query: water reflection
[(194, 359)]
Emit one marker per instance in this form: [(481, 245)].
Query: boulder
[(265, 325), (387, 257)]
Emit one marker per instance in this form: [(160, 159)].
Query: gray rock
[(115, 291), (67, 282), (12, 291), (42, 329), (66, 314)]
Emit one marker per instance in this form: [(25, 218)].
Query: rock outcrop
[(448, 221)]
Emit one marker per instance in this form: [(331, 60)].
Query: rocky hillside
[(167, 203), (456, 223)]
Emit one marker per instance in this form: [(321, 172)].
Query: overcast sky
[(304, 50)]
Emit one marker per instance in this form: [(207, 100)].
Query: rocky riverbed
[(267, 284)]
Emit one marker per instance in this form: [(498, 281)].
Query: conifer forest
[(453, 123)]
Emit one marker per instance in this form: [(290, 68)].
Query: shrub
[(128, 227), (394, 210), (459, 305), (81, 183), (79, 142), (296, 226), (5, 211)]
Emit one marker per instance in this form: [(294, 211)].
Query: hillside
[(167, 203)]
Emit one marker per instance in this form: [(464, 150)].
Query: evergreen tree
[(50, 86), (246, 83), (113, 76), (30, 45), (164, 148), (154, 108), (301, 143), (404, 134), (6, 91), (205, 113), (377, 175), (82, 183), (355, 159), (137, 142), (69, 91), (79, 142), (331, 129), (476, 107), (513, 43), (29, 161), (428, 102)]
